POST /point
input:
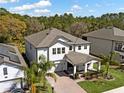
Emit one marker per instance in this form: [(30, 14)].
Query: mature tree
[(33, 25), (14, 27)]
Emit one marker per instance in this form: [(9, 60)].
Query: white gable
[(13, 72)]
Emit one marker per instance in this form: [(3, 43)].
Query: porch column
[(85, 70), (74, 72), (99, 66)]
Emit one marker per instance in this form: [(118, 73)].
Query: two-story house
[(65, 50), (106, 40), (11, 68)]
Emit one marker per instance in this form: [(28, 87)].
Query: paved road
[(117, 90), (66, 85)]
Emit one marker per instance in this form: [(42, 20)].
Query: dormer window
[(79, 47), (5, 72)]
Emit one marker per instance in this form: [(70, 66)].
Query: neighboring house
[(11, 64), (106, 40), (66, 51)]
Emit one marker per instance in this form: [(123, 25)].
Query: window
[(70, 48), (63, 50), (5, 71), (118, 46), (85, 46), (54, 50), (58, 50), (122, 57), (79, 47)]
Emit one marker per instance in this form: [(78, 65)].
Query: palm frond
[(52, 75)]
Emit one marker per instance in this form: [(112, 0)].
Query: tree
[(108, 60), (45, 66), (33, 25), (36, 75)]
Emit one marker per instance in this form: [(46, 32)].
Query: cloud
[(98, 5), (42, 11), (76, 8), (69, 12), (91, 11), (7, 1), (40, 4), (122, 8)]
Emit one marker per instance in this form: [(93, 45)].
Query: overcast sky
[(52, 7)]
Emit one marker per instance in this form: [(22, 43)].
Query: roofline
[(105, 38), (21, 59)]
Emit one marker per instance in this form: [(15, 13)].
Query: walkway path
[(117, 90), (66, 85)]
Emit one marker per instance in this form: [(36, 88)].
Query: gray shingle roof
[(10, 54), (110, 33), (46, 37), (76, 58)]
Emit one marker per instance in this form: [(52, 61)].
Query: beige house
[(106, 40)]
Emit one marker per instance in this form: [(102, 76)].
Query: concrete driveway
[(65, 85), (117, 90)]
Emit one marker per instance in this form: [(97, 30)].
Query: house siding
[(7, 81), (100, 46), (30, 51), (85, 51), (42, 51), (54, 57)]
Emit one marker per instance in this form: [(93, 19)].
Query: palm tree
[(36, 74), (108, 60), (45, 66), (32, 76)]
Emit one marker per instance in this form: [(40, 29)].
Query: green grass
[(103, 85)]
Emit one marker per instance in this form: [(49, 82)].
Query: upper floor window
[(70, 47), (85, 46), (54, 50), (58, 50), (5, 72), (79, 47), (63, 50)]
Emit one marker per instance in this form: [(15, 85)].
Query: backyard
[(101, 85)]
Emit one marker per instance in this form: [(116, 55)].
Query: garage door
[(60, 66)]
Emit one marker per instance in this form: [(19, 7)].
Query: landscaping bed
[(102, 85)]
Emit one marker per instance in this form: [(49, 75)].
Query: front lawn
[(103, 85)]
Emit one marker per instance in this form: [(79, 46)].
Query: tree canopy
[(13, 27)]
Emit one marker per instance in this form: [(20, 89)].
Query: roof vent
[(47, 33)]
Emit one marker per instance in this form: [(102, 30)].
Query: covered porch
[(79, 62)]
